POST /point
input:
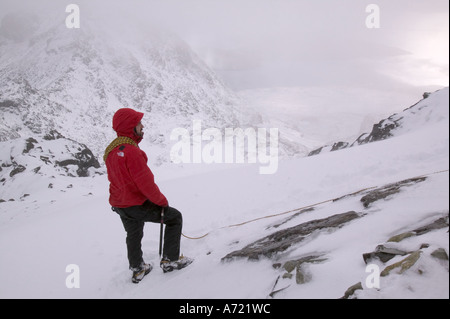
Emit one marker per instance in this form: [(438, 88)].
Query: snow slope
[(72, 224)]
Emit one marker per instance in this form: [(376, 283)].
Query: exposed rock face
[(388, 190), (391, 249), (64, 156), (83, 159), (403, 265), (283, 239), (383, 253), (395, 258), (411, 117), (41, 159)]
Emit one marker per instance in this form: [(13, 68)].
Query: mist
[(268, 43), (289, 43)]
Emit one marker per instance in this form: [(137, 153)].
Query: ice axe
[(161, 232)]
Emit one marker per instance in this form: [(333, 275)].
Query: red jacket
[(131, 180)]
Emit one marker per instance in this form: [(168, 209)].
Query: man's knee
[(173, 215)]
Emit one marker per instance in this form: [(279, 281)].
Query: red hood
[(124, 122)]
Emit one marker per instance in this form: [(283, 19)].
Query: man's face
[(139, 129)]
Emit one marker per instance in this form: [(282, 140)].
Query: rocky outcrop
[(403, 265), (388, 190), (392, 256), (62, 155), (295, 270), (83, 160), (382, 130), (283, 239), (40, 159), (390, 249), (385, 252)]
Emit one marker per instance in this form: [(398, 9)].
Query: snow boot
[(181, 263), (140, 272)]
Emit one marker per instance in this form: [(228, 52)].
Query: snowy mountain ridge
[(421, 114), (73, 80)]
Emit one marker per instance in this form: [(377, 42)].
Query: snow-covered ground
[(43, 235)]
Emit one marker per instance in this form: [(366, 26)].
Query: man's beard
[(141, 134)]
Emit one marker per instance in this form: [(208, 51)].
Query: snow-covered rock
[(42, 159), (429, 111)]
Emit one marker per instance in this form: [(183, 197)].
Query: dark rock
[(276, 265), (440, 254), (287, 276), (316, 151), (290, 265), (335, 147), (67, 162), (84, 160), (45, 159), (380, 131), (18, 169), (402, 265), (283, 239), (29, 145), (384, 257), (8, 103), (383, 253), (400, 237), (301, 276), (388, 190), (53, 135), (339, 146), (437, 224), (351, 290)]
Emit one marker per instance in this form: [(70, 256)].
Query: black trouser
[(133, 219)]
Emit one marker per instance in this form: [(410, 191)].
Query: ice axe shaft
[(161, 232)]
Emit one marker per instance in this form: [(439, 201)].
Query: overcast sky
[(301, 42), (268, 43)]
